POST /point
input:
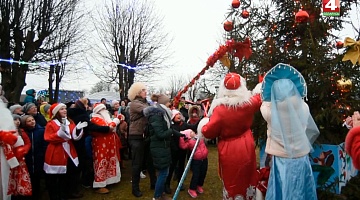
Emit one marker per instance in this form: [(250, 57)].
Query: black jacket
[(180, 126), (80, 115), (35, 157)]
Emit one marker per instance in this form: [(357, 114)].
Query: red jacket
[(236, 148), (59, 148), (352, 145), (201, 151)]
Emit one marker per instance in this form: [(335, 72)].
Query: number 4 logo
[(331, 7)]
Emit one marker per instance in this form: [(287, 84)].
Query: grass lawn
[(122, 190)]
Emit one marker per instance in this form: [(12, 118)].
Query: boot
[(167, 189), (136, 193)]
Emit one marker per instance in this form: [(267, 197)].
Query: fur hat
[(28, 106), (14, 107), (135, 90), (55, 109), (232, 85), (98, 107)]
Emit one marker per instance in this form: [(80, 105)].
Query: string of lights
[(49, 63)]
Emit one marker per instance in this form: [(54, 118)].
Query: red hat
[(232, 81), (98, 107), (55, 108)]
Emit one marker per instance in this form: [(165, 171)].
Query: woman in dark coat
[(159, 119), (79, 114)]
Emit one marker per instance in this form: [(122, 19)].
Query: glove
[(81, 125), (63, 127)]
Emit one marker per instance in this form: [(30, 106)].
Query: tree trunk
[(121, 71), (57, 83), (50, 91)]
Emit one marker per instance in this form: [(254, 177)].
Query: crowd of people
[(84, 144), (80, 143)]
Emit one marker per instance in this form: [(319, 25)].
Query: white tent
[(109, 96)]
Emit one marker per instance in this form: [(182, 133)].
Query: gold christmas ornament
[(344, 84)]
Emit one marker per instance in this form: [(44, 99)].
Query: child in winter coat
[(199, 163), (352, 141), (19, 178), (35, 157)]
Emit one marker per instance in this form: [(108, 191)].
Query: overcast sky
[(196, 29)]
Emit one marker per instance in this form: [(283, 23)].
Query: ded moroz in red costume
[(231, 115), (105, 149)]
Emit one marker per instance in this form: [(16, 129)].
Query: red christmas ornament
[(245, 14), (301, 16), (228, 26), (235, 3), (339, 44)]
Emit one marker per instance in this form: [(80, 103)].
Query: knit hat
[(163, 99), (232, 81), (46, 108), (23, 120), (27, 107), (174, 113), (15, 116), (114, 102), (98, 107), (55, 109), (14, 107)]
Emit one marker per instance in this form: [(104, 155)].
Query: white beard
[(105, 116)]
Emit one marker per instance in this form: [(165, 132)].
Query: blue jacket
[(35, 157), (30, 97)]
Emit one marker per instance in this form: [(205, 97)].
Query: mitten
[(81, 125), (19, 152), (8, 137)]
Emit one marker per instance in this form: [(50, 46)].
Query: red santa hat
[(98, 107), (55, 109), (232, 85)]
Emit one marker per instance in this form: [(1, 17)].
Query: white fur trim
[(98, 108), (19, 142), (257, 89), (77, 137), (13, 162), (54, 169), (202, 123), (57, 108), (116, 121)]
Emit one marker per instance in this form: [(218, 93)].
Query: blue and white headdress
[(282, 71)]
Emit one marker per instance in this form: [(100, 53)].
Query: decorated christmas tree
[(297, 33)]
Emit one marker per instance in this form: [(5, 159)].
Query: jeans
[(199, 170), (160, 182)]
